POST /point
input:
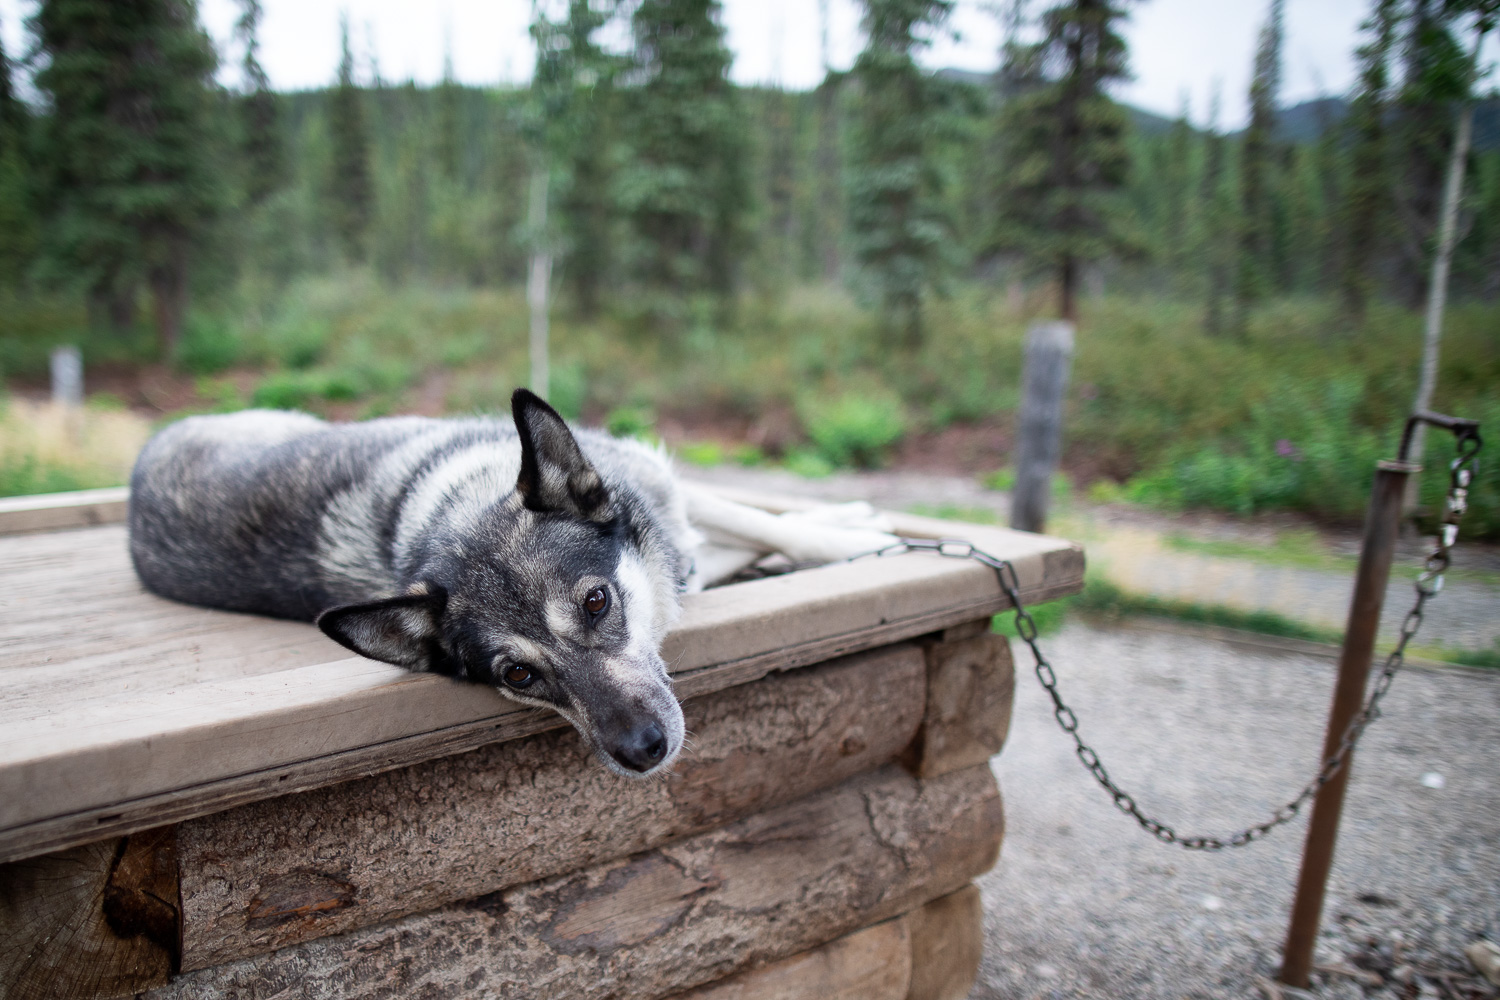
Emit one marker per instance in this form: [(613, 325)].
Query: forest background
[(841, 276)]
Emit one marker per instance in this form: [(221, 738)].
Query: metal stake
[(1382, 525)]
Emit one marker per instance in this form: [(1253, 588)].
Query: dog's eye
[(518, 676), (597, 602)]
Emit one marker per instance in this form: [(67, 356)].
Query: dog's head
[(559, 596)]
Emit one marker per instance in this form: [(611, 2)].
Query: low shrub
[(853, 428)]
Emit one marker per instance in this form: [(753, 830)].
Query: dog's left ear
[(555, 476), (401, 630)]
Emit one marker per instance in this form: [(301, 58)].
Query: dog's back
[(284, 514)]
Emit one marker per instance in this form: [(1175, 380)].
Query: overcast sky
[(1178, 48)]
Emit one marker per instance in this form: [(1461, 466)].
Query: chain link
[(1428, 584)]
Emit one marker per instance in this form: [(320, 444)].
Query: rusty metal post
[(1382, 525)]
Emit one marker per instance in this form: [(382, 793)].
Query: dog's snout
[(642, 749)]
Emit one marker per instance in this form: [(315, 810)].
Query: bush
[(630, 421), (854, 428), (209, 345)]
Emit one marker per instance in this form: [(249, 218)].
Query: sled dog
[(544, 562)]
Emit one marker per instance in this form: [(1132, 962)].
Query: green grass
[(1289, 417)]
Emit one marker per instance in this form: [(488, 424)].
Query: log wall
[(818, 840)]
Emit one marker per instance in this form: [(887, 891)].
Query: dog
[(544, 562)]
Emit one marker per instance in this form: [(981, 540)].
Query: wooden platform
[(121, 711)]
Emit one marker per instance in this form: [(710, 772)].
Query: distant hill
[(1304, 122)]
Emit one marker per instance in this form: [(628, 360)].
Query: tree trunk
[(1437, 292), (1067, 291), (537, 281), (169, 298)]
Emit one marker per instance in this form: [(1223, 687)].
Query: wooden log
[(947, 943), (870, 964), (299, 867), (971, 685), (95, 921), (695, 911)]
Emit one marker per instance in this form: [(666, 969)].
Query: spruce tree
[(1255, 271), (349, 186), (687, 186), (1436, 78), (1215, 253), (579, 109), (18, 229), (261, 143), (1367, 204), (450, 139), (1061, 204), (131, 148), (895, 224)]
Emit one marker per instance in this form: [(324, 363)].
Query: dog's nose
[(643, 749)]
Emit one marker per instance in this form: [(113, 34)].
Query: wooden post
[(1049, 356), (538, 279), (67, 377)]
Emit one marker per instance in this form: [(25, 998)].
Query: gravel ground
[(1085, 904)]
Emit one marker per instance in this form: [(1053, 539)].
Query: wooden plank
[(947, 944), (971, 685), (96, 921), (299, 867), (870, 964), (59, 511), (80, 640), (695, 911)]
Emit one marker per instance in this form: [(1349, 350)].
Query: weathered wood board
[(120, 711), (692, 912), (299, 867), (60, 511)]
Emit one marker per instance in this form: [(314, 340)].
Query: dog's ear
[(554, 474), (401, 630)]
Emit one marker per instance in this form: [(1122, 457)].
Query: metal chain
[(1428, 584)]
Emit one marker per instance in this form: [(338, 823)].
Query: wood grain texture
[(363, 852), (947, 944), (971, 686), (666, 920), (870, 964), (120, 710), (95, 921), (60, 511)]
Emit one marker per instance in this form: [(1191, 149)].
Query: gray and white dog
[(545, 563)]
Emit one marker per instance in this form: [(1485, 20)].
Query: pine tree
[(895, 223), (18, 231), (349, 184), (450, 141), (1256, 268), (264, 154), (1214, 251), (1068, 160), (1367, 203), (579, 109), (1436, 77), (687, 186), (131, 149)]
